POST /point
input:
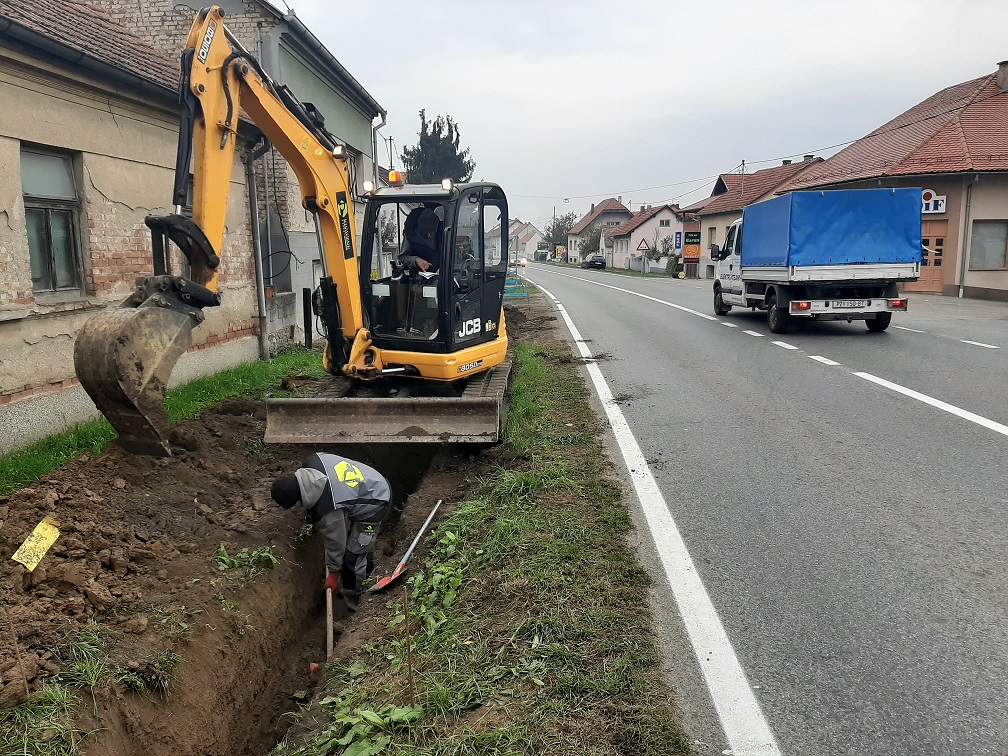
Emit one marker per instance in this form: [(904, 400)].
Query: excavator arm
[(125, 356)]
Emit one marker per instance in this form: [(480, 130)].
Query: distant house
[(734, 191), (608, 212), (954, 145), (523, 239), (636, 241)]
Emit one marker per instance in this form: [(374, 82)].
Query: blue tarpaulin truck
[(822, 255)]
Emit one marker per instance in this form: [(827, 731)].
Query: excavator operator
[(421, 247)]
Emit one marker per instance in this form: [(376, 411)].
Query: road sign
[(678, 239)]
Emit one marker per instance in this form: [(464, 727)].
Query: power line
[(847, 143)]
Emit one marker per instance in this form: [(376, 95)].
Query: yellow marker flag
[(37, 544)]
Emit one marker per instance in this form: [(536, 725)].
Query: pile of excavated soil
[(136, 563)]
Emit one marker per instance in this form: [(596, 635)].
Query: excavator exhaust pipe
[(123, 358)]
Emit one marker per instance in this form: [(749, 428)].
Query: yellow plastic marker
[(37, 544)]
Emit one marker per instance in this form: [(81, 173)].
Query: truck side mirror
[(715, 252)]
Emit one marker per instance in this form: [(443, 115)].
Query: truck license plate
[(850, 303)]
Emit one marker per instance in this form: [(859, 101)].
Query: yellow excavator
[(415, 355)]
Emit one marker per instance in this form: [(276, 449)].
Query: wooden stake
[(329, 620), (409, 646), (17, 652)]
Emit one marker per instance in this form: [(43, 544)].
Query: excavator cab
[(455, 303)]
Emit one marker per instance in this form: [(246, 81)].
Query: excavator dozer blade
[(123, 359), (477, 416), (359, 420)]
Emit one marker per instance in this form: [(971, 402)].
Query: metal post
[(257, 252), (308, 320)]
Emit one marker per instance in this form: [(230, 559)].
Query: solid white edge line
[(703, 315), (745, 727), (784, 344), (753, 333), (979, 344), (951, 408), (823, 360)]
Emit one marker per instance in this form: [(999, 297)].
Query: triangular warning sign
[(643, 245)]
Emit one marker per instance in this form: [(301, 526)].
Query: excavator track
[(335, 417)]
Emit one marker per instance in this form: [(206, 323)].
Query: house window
[(989, 247), (711, 236), (51, 211), (664, 223)]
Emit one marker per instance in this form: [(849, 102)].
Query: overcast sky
[(650, 100)]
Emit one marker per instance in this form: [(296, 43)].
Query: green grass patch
[(24, 467), (530, 626)]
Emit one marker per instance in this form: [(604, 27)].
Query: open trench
[(137, 562), (244, 675)]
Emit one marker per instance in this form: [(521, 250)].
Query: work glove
[(332, 582)]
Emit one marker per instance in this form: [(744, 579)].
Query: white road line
[(979, 344), (958, 411), (823, 360), (745, 726), (904, 328), (784, 344), (730, 325), (703, 315), (752, 333)]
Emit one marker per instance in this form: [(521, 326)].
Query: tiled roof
[(640, 219), (961, 128), (88, 29), (531, 234), (603, 206), (740, 190)]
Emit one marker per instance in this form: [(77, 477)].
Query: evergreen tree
[(436, 155)]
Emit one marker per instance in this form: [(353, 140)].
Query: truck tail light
[(898, 304), (799, 306)]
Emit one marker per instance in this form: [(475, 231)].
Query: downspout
[(266, 178), (374, 147), (250, 181), (965, 237)]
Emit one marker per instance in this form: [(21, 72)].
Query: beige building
[(731, 194), (953, 145), (608, 213), (640, 243), (87, 152)]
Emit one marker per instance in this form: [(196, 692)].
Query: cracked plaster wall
[(124, 152)]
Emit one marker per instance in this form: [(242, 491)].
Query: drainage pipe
[(965, 238), (250, 181)]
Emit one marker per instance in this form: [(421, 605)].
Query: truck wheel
[(720, 308), (777, 319), (880, 322)]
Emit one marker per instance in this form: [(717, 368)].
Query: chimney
[(785, 162), (808, 158), (1002, 75), (620, 199), (593, 207)]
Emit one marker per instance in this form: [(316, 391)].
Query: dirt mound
[(137, 564)]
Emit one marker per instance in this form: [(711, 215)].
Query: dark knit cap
[(286, 492)]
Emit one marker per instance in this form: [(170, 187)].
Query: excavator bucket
[(123, 358), (475, 417)]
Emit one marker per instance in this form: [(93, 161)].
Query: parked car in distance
[(594, 261)]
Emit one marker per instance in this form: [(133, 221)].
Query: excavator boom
[(124, 356)]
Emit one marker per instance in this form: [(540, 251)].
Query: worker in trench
[(346, 501)]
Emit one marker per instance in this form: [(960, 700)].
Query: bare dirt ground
[(136, 563)]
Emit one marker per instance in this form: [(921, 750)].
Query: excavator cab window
[(404, 298)]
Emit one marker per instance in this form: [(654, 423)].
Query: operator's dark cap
[(285, 491), (427, 222)]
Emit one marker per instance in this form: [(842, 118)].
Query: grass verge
[(530, 626), (25, 466)]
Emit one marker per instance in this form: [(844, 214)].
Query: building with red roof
[(731, 194), (954, 145), (640, 243), (609, 212)]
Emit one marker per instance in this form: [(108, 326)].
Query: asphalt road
[(851, 537)]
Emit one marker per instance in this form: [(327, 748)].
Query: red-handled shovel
[(385, 582)]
